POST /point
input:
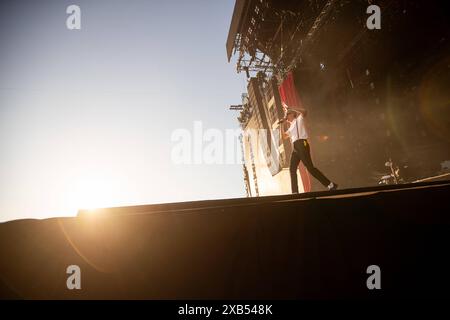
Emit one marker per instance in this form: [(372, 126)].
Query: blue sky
[(86, 116)]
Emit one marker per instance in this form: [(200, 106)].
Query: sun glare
[(90, 193)]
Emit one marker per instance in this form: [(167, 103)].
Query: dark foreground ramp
[(316, 245)]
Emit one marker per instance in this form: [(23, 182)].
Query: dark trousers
[(302, 153)]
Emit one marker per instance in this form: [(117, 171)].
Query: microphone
[(281, 121)]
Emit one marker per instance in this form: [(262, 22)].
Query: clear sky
[(86, 116)]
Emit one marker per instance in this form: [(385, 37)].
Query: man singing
[(301, 152)]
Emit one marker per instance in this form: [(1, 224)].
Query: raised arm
[(304, 112)]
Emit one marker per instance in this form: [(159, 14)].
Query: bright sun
[(91, 193)]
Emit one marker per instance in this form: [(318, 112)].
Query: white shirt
[(297, 130)]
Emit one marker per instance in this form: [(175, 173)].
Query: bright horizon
[(86, 116)]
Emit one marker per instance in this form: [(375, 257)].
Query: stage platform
[(307, 246)]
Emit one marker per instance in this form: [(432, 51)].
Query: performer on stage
[(301, 151)]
